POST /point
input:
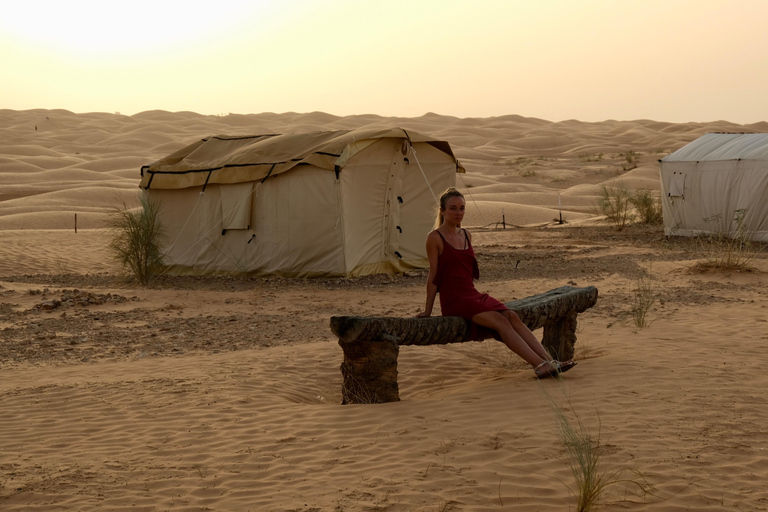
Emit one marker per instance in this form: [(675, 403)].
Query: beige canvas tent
[(710, 183), (306, 204)]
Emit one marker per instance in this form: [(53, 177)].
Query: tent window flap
[(677, 185)]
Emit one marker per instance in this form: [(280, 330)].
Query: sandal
[(567, 365), (552, 371)]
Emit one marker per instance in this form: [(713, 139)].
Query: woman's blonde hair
[(449, 193)]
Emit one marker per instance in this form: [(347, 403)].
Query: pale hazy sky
[(668, 60)]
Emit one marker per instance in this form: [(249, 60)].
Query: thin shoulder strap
[(466, 238), (441, 235)]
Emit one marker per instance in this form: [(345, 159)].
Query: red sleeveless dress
[(456, 270)]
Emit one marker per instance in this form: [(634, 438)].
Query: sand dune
[(57, 149), (223, 394)]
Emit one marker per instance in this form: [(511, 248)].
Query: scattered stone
[(76, 298), (49, 305)]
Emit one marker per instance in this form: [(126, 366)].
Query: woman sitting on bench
[(452, 269)]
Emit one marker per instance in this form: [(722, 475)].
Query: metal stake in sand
[(75, 223)]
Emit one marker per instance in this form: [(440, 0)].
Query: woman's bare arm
[(433, 252)]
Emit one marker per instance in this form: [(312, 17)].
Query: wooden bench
[(371, 344)]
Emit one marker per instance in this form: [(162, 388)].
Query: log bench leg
[(369, 372), (560, 337)]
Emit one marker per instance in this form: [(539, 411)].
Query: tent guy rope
[(422, 171)]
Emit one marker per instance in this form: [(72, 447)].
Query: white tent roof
[(722, 146)]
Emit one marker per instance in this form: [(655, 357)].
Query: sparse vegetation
[(648, 207), (631, 160), (523, 165), (498, 358), (725, 251), (136, 238), (587, 157), (583, 450), (520, 161), (644, 296), (615, 203)]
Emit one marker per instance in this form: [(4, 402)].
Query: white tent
[(307, 204), (711, 183)]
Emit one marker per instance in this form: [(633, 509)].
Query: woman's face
[(454, 209)]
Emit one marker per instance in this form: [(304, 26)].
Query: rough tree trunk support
[(371, 344)]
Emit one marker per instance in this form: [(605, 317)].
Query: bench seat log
[(371, 344)]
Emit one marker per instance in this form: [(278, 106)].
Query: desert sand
[(223, 393)]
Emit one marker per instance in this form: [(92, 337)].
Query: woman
[(452, 268)]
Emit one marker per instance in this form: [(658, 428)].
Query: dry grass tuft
[(582, 448), (357, 392), (497, 357), (644, 296), (584, 350), (722, 251)]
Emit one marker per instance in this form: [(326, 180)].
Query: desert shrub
[(615, 203), (136, 238), (648, 207), (725, 251)]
